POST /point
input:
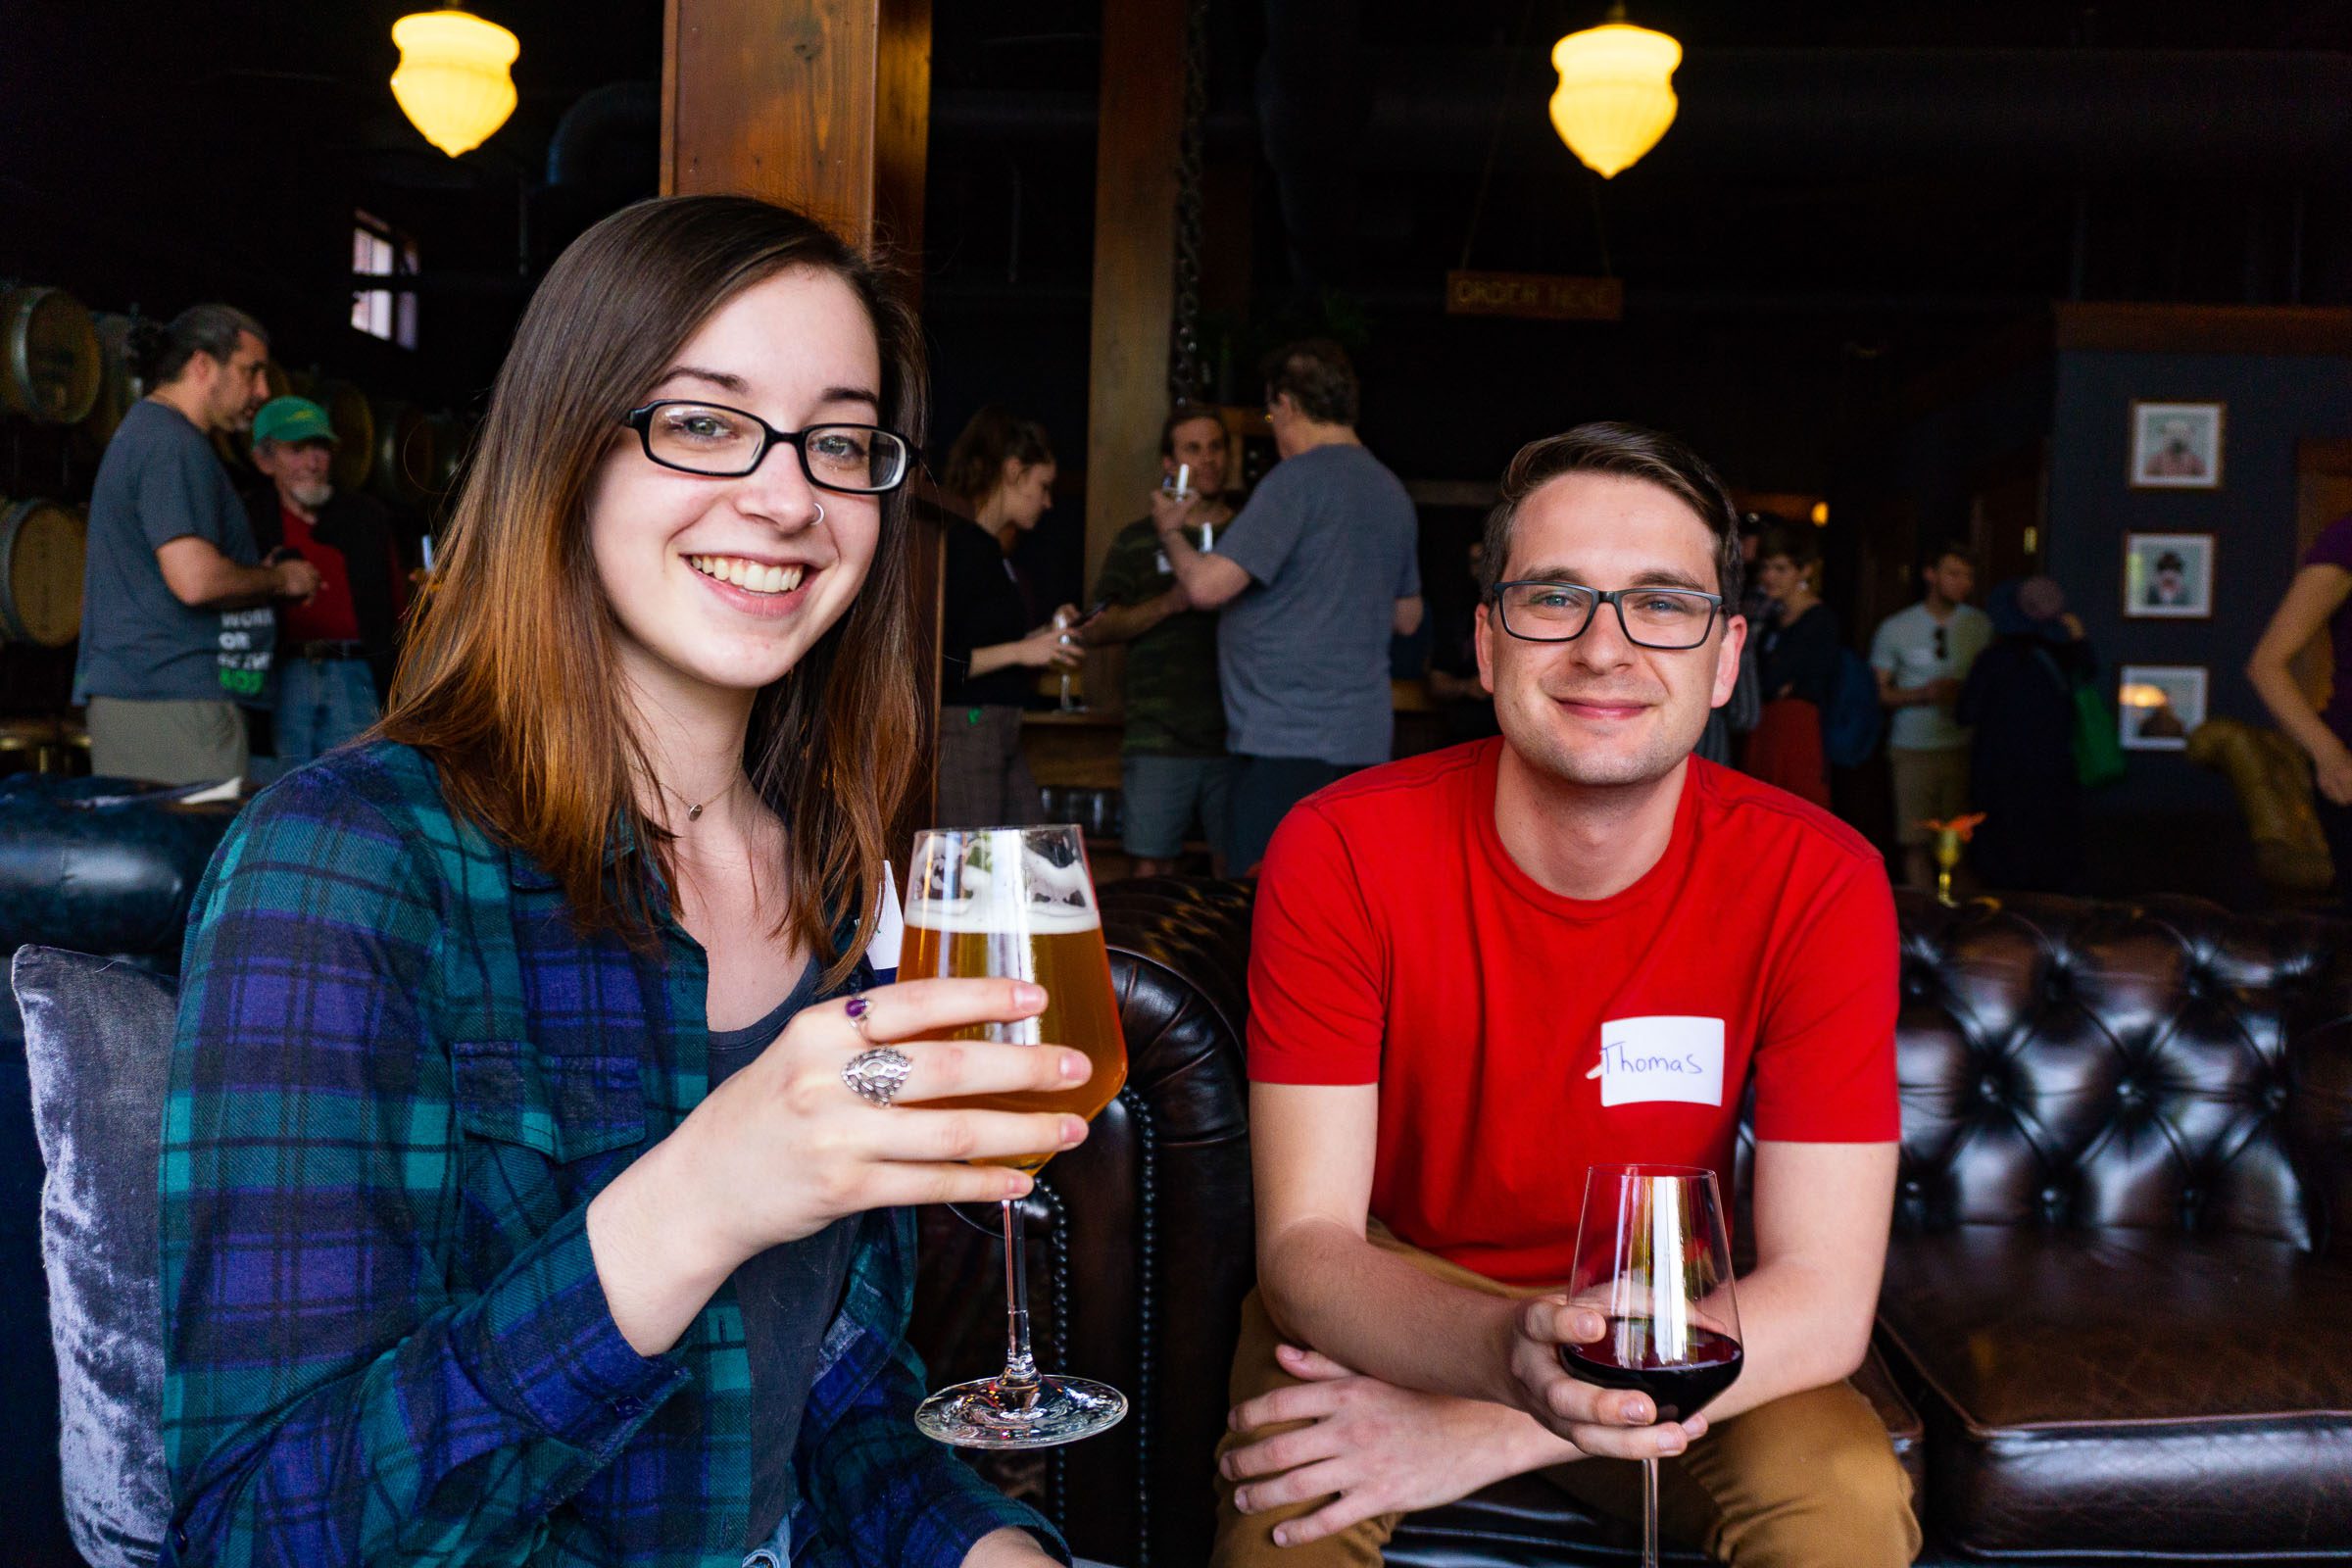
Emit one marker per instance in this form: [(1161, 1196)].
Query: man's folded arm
[(1326, 1286)]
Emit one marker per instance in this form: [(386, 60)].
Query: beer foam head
[(998, 879), (987, 914)]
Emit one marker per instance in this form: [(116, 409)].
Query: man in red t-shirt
[(1469, 976)]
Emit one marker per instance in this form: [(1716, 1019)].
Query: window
[(379, 251)]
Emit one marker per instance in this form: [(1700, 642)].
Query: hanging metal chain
[(1188, 375)]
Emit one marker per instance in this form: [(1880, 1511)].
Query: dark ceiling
[(1855, 191)]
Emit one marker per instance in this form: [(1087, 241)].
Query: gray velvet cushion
[(98, 1047)]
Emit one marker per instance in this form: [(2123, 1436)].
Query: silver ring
[(821, 514), (876, 1076)]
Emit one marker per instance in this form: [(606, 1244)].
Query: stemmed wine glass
[(1654, 1257), (1017, 902)]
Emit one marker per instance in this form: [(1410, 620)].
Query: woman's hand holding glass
[(785, 1147), (1052, 646)]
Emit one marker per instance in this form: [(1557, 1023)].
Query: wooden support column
[(1142, 121), (823, 105)]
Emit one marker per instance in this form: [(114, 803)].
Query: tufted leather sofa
[(2119, 1297), (101, 865)]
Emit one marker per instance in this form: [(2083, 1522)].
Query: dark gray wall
[(2172, 823)]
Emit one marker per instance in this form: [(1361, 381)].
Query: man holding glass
[(1319, 572), (1479, 973)]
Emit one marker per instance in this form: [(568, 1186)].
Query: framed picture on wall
[(2176, 446), (2167, 576), (2159, 705)]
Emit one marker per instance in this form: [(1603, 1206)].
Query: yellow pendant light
[(451, 82), (1616, 94)]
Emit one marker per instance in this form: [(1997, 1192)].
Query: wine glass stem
[(1649, 1513), (1020, 1367)]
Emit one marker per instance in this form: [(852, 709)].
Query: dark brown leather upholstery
[(2120, 1296), (1141, 1246), (2123, 1304)]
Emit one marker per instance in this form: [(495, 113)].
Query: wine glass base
[(986, 1415)]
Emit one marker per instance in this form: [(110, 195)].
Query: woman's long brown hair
[(510, 683)]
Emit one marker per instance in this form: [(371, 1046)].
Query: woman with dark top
[(1799, 665), (2319, 599), (532, 1187), (2020, 702), (1001, 468)]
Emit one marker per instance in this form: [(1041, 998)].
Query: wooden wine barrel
[(404, 454), (119, 381), (49, 358), (42, 549), (450, 436), (353, 420)]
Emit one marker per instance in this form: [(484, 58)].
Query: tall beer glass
[(1018, 902)]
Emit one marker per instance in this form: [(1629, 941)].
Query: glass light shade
[(451, 82), (1616, 94)]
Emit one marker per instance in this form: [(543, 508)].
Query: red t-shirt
[(1396, 942), (329, 616)]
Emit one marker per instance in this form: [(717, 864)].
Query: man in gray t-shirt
[(176, 623), (1315, 577)]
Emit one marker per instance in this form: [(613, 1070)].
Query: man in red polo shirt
[(1468, 971)]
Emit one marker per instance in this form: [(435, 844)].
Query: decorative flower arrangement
[(1949, 837)]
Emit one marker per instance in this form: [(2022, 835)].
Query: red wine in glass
[(1654, 1257), (1628, 1356)]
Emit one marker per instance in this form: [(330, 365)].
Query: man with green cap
[(334, 650)]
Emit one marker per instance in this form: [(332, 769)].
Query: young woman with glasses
[(533, 1189)]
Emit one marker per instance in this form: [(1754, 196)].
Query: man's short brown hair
[(1630, 452), (1181, 415), (1318, 379)]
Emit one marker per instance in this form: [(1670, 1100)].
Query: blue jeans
[(321, 702)]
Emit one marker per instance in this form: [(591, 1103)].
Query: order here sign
[(1534, 296)]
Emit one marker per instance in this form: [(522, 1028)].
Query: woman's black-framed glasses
[(722, 443), (1665, 619)]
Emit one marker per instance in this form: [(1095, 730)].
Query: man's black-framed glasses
[(722, 443), (1666, 619)]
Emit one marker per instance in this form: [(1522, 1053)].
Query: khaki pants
[(174, 741), (1811, 1481), (1929, 787)]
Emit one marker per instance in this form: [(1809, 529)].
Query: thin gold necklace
[(694, 809)]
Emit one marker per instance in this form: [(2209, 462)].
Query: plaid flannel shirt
[(399, 1078)]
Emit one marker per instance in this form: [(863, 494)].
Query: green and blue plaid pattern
[(400, 1076)]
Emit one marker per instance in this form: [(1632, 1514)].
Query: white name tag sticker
[(1644, 1059)]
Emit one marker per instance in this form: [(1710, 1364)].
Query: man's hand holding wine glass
[(1610, 1423)]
